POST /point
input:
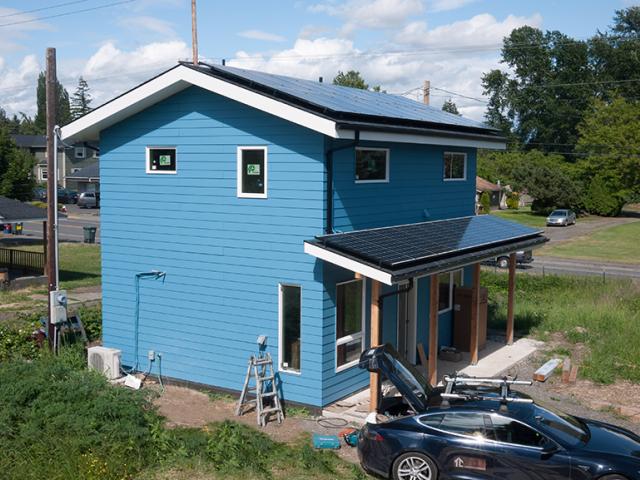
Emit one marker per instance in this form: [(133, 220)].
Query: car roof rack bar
[(463, 380)]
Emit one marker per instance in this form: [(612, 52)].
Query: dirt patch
[(185, 407)]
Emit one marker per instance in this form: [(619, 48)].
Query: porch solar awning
[(393, 254)]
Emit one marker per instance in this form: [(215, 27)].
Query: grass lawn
[(603, 317), (618, 244), (523, 216)]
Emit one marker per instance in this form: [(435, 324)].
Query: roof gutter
[(329, 163)]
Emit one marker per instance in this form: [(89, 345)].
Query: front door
[(407, 309)]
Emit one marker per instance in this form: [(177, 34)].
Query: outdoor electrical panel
[(58, 302)]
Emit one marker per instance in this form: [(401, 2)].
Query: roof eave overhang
[(180, 77), (394, 276)]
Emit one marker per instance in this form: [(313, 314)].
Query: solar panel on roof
[(394, 247), (352, 100)]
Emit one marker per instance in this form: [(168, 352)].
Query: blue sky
[(395, 43)]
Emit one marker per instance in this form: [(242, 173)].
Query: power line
[(73, 12), (24, 12)]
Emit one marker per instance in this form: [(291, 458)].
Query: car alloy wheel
[(414, 466), (503, 262)]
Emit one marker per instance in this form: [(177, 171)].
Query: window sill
[(156, 172), (454, 179), (252, 195), (296, 373), (347, 366), (371, 181)]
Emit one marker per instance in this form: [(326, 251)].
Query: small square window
[(161, 160), (372, 165), (455, 166), (252, 172), (80, 152)]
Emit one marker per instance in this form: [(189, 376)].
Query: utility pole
[(52, 187), (426, 90), (194, 32)]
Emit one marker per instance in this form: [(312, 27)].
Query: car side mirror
[(549, 449)]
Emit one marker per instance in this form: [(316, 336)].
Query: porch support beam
[(433, 330), (374, 378), (475, 314), (511, 298)]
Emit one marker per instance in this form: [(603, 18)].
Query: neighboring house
[(494, 191), (233, 182), (70, 159), (86, 179)]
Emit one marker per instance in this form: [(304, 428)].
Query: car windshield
[(564, 427), (559, 213)]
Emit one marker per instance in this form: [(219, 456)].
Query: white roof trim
[(171, 82), (348, 263), (89, 126)]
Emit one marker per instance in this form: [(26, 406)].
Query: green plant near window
[(485, 202)]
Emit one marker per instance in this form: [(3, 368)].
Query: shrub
[(513, 201), (601, 200), (91, 318), (485, 202)]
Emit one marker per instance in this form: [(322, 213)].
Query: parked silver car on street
[(561, 218), (88, 200)]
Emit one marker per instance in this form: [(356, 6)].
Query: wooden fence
[(28, 262)]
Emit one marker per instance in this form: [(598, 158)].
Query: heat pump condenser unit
[(105, 360)]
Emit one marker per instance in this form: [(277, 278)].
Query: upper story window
[(252, 172), (455, 166), (372, 165), (161, 160)]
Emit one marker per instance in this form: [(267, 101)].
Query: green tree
[(18, 180), (63, 109), (610, 141), (7, 146), (81, 99), (450, 106), (485, 202), (351, 79)]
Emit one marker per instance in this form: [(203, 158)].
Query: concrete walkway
[(495, 359)]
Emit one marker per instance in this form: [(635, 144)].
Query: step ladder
[(261, 369)]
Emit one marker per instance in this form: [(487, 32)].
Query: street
[(71, 227)]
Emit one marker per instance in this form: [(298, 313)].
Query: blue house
[(327, 218)]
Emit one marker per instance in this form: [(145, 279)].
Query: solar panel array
[(353, 100), (394, 247)]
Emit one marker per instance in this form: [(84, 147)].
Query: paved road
[(543, 265), (71, 228)]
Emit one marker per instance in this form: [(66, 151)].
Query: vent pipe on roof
[(320, 79), (224, 62)]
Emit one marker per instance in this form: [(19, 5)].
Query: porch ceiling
[(393, 254)]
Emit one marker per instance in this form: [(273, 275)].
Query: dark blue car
[(483, 432)]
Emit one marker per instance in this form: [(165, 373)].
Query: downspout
[(329, 163)]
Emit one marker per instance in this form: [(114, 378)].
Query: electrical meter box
[(58, 304)]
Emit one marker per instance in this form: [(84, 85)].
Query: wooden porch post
[(475, 310), (374, 379), (44, 247), (511, 297), (433, 330)]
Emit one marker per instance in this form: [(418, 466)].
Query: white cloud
[(478, 31), (376, 14), (260, 35), (15, 29), (150, 24), (18, 85), (446, 5)]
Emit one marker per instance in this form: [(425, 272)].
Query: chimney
[(426, 90)]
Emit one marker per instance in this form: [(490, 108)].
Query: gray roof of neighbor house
[(343, 103), (16, 211), (90, 171), (30, 141)]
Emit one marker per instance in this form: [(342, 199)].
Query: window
[(468, 424), (448, 281), (252, 172), (349, 323), (507, 430), (290, 314), (80, 152), (161, 160), (43, 173), (455, 166), (372, 165)]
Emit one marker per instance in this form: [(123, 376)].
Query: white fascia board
[(348, 263), (89, 126), (428, 139)]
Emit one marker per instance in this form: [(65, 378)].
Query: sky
[(397, 44)]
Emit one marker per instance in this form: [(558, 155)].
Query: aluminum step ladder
[(261, 369)]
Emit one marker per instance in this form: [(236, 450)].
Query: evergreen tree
[(450, 106), (81, 100), (18, 181), (63, 109)]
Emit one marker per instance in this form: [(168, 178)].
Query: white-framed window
[(454, 166), (349, 323), (161, 160), (42, 173), (448, 281), (252, 172), (372, 165), (80, 152), (290, 320)]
